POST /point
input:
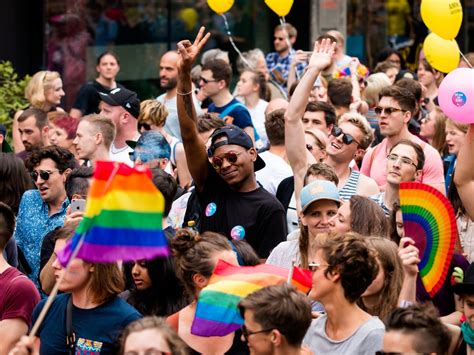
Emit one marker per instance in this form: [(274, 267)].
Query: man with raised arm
[(345, 141), (233, 203)]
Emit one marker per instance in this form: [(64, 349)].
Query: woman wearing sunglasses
[(343, 266), (152, 117)]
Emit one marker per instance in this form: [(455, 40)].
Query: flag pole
[(55, 289)]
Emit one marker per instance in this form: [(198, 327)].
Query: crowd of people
[(299, 165)]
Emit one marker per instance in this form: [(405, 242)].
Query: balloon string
[(465, 59), (233, 44)]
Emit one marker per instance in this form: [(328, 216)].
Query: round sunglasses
[(231, 157), (346, 137), (43, 174)]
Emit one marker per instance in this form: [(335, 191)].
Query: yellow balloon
[(442, 54), (443, 17), (220, 6), (280, 7)]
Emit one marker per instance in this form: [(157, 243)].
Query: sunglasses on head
[(231, 157), (346, 138), (43, 174), (388, 110), (145, 126)]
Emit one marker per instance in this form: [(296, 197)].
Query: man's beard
[(171, 84)]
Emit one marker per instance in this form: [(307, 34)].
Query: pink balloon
[(456, 95)]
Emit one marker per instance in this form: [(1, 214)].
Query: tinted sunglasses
[(388, 110), (206, 81), (231, 157), (346, 138), (43, 174), (145, 126)]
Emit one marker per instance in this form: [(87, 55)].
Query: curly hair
[(193, 255), (63, 158), (349, 255)]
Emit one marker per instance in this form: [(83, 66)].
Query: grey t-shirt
[(367, 339), (284, 253)]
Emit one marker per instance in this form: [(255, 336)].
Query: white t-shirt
[(258, 119), (172, 121), (275, 170), (122, 154)]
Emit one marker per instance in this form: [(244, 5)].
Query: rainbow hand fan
[(428, 218)]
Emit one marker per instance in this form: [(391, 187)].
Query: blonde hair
[(439, 137), (103, 125), (360, 122), (375, 83), (154, 111), (458, 125), (37, 87)]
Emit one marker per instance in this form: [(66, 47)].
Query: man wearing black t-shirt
[(232, 202), (88, 98)]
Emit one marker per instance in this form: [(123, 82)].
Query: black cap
[(5, 146), (123, 97), (237, 136), (467, 285)]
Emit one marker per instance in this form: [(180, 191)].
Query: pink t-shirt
[(375, 166)]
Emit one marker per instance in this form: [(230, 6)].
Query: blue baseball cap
[(151, 145), (319, 190)]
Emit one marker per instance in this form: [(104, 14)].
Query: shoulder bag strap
[(70, 336)]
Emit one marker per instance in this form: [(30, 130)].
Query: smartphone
[(78, 205)]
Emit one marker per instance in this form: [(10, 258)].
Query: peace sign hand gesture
[(322, 54), (188, 52)]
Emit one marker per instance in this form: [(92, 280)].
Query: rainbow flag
[(122, 219), (217, 313)]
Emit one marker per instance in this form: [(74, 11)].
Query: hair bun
[(184, 240)]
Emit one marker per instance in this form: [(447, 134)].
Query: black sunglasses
[(145, 126), (346, 138), (43, 174), (246, 333), (206, 81), (388, 110), (231, 157)]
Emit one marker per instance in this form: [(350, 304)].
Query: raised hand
[(322, 54), (409, 255), (188, 52)]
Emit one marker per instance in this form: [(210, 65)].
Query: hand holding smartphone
[(78, 205)]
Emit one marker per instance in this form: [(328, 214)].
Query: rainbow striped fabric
[(217, 313), (428, 218), (122, 219)]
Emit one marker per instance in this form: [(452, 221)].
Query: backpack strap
[(229, 109)]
